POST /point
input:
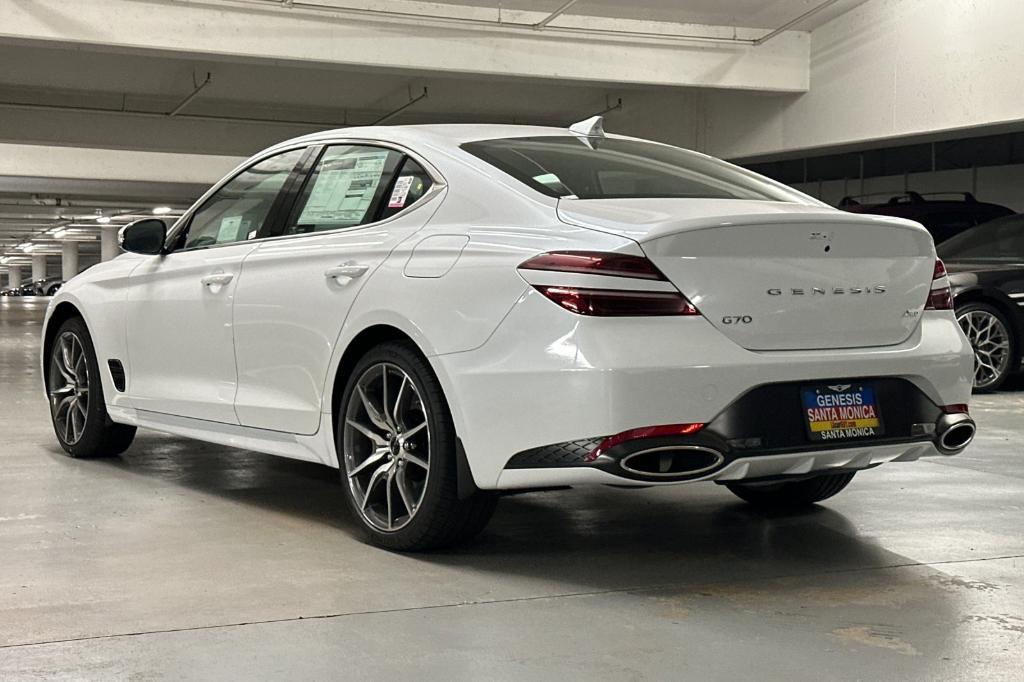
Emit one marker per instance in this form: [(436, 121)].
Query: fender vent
[(116, 373)]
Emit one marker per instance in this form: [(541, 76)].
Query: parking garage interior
[(188, 560)]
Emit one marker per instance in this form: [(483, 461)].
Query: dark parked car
[(986, 273), (944, 218)]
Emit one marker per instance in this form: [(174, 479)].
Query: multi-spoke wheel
[(993, 344), (387, 446), (75, 391), (396, 451), (69, 387)]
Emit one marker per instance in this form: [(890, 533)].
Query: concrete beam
[(576, 48), (41, 161)]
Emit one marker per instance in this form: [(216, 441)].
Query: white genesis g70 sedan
[(446, 312)]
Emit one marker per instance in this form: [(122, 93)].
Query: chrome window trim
[(439, 184)]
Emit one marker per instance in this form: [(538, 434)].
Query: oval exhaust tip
[(673, 461), (957, 437)]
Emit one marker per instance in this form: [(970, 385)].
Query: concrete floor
[(187, 561)]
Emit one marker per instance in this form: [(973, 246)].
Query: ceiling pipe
[(554, 15), (542, 24), (155, 114), (185, 102), (793, 22), (396, 112)]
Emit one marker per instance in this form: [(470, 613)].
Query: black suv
[(944, 218)]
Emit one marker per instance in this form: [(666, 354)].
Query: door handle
[(217, 279), (350, 270)]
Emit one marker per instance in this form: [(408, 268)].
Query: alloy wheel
[(386, 446), (991, 343), (69, 387)]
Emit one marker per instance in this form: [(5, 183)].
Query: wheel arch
[(62, 312), (362, 342), (366, 339)]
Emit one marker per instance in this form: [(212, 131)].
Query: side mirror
[(146, 236)]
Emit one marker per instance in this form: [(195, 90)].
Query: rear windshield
[(611, 168), (999, 240)]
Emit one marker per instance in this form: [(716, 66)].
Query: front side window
[(344, 189), (239, 209), (999, 240), (612, 168)]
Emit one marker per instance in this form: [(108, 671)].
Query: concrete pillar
[(13, 276), (68, 260), (108, 243), (38, 267)]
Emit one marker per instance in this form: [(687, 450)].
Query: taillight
[(643, 300), (940, 297), (595, 263), (642, 433), (958, 408), (618, 303)]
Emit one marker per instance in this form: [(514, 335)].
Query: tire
[(791, 494), (993, 341), (403, 500), (82, 432)]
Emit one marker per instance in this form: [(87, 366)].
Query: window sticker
[(228, 230), (401, 191), (344, 188)]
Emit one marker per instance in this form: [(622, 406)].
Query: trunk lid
[(779, 276)]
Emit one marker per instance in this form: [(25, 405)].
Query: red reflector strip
[(618, 303), (641, 433), (959, 408)]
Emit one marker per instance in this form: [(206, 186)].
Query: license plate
[(841, 412)]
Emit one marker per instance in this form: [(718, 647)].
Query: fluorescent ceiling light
[(103, 220), (60, 233), (162, 210)]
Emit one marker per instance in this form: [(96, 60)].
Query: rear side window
[(409, 187), (344, 189), (612, 168)]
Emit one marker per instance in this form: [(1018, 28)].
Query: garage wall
[(879, 71)]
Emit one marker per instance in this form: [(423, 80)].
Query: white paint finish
[(111, 164), (38, 267), (109, 248), (289, 312), (497, 345), (886, 69), (436, 255), (69, 260), (591, 377), (180, 333), (867, 290), (265, 31)]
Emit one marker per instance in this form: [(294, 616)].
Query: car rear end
[(726, 338)]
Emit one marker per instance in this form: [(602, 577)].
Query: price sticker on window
[(401, 191)]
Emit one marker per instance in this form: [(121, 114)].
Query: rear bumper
[(546, 376)]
